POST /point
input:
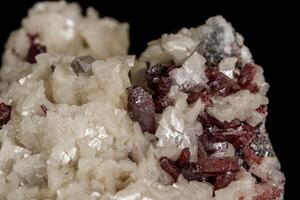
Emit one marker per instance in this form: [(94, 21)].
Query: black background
[(269, 30)]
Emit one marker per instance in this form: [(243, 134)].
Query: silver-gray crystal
[(82, 64)]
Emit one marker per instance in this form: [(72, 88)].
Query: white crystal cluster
[(84, 145), (178, 127), (82, 142), (178, 47), (192, 71), (236, 106), (62, 28)]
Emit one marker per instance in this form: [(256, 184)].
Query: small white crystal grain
[(192, 71)]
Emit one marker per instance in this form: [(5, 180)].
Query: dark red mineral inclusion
[(161, 102), (271, 194), (220, 83), (44, 109), (160, 83), (5, 112), (246, 77), (263, 109), (184, 158), (34, 49), (197, 91), (223, 180), (168, 165), (238, 133)]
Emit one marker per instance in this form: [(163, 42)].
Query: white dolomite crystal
[(191, 72), (177, 128), (236, 106), (217, 35), (227, 66), (244, 187), (62, 28), (87, 123)]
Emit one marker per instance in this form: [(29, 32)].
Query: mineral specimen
[(73, 125)]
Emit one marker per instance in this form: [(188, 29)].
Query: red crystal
[(184, 158), (156, 72), (252, 87), (271, 194), (210, 167), (205, 95), (44, 109), (161, 102), (34, 50), (192, 172), (141, 108), (5, 112), (221, 83), (238, 137), (218, 165), (168, 166), (263, 109), (164, 85), (250, 157), (246, 76), (239, 134), (159, 81), (212, 147), (218, 171), (223, 180), (201, 154), (195, 92), (209, 122)]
